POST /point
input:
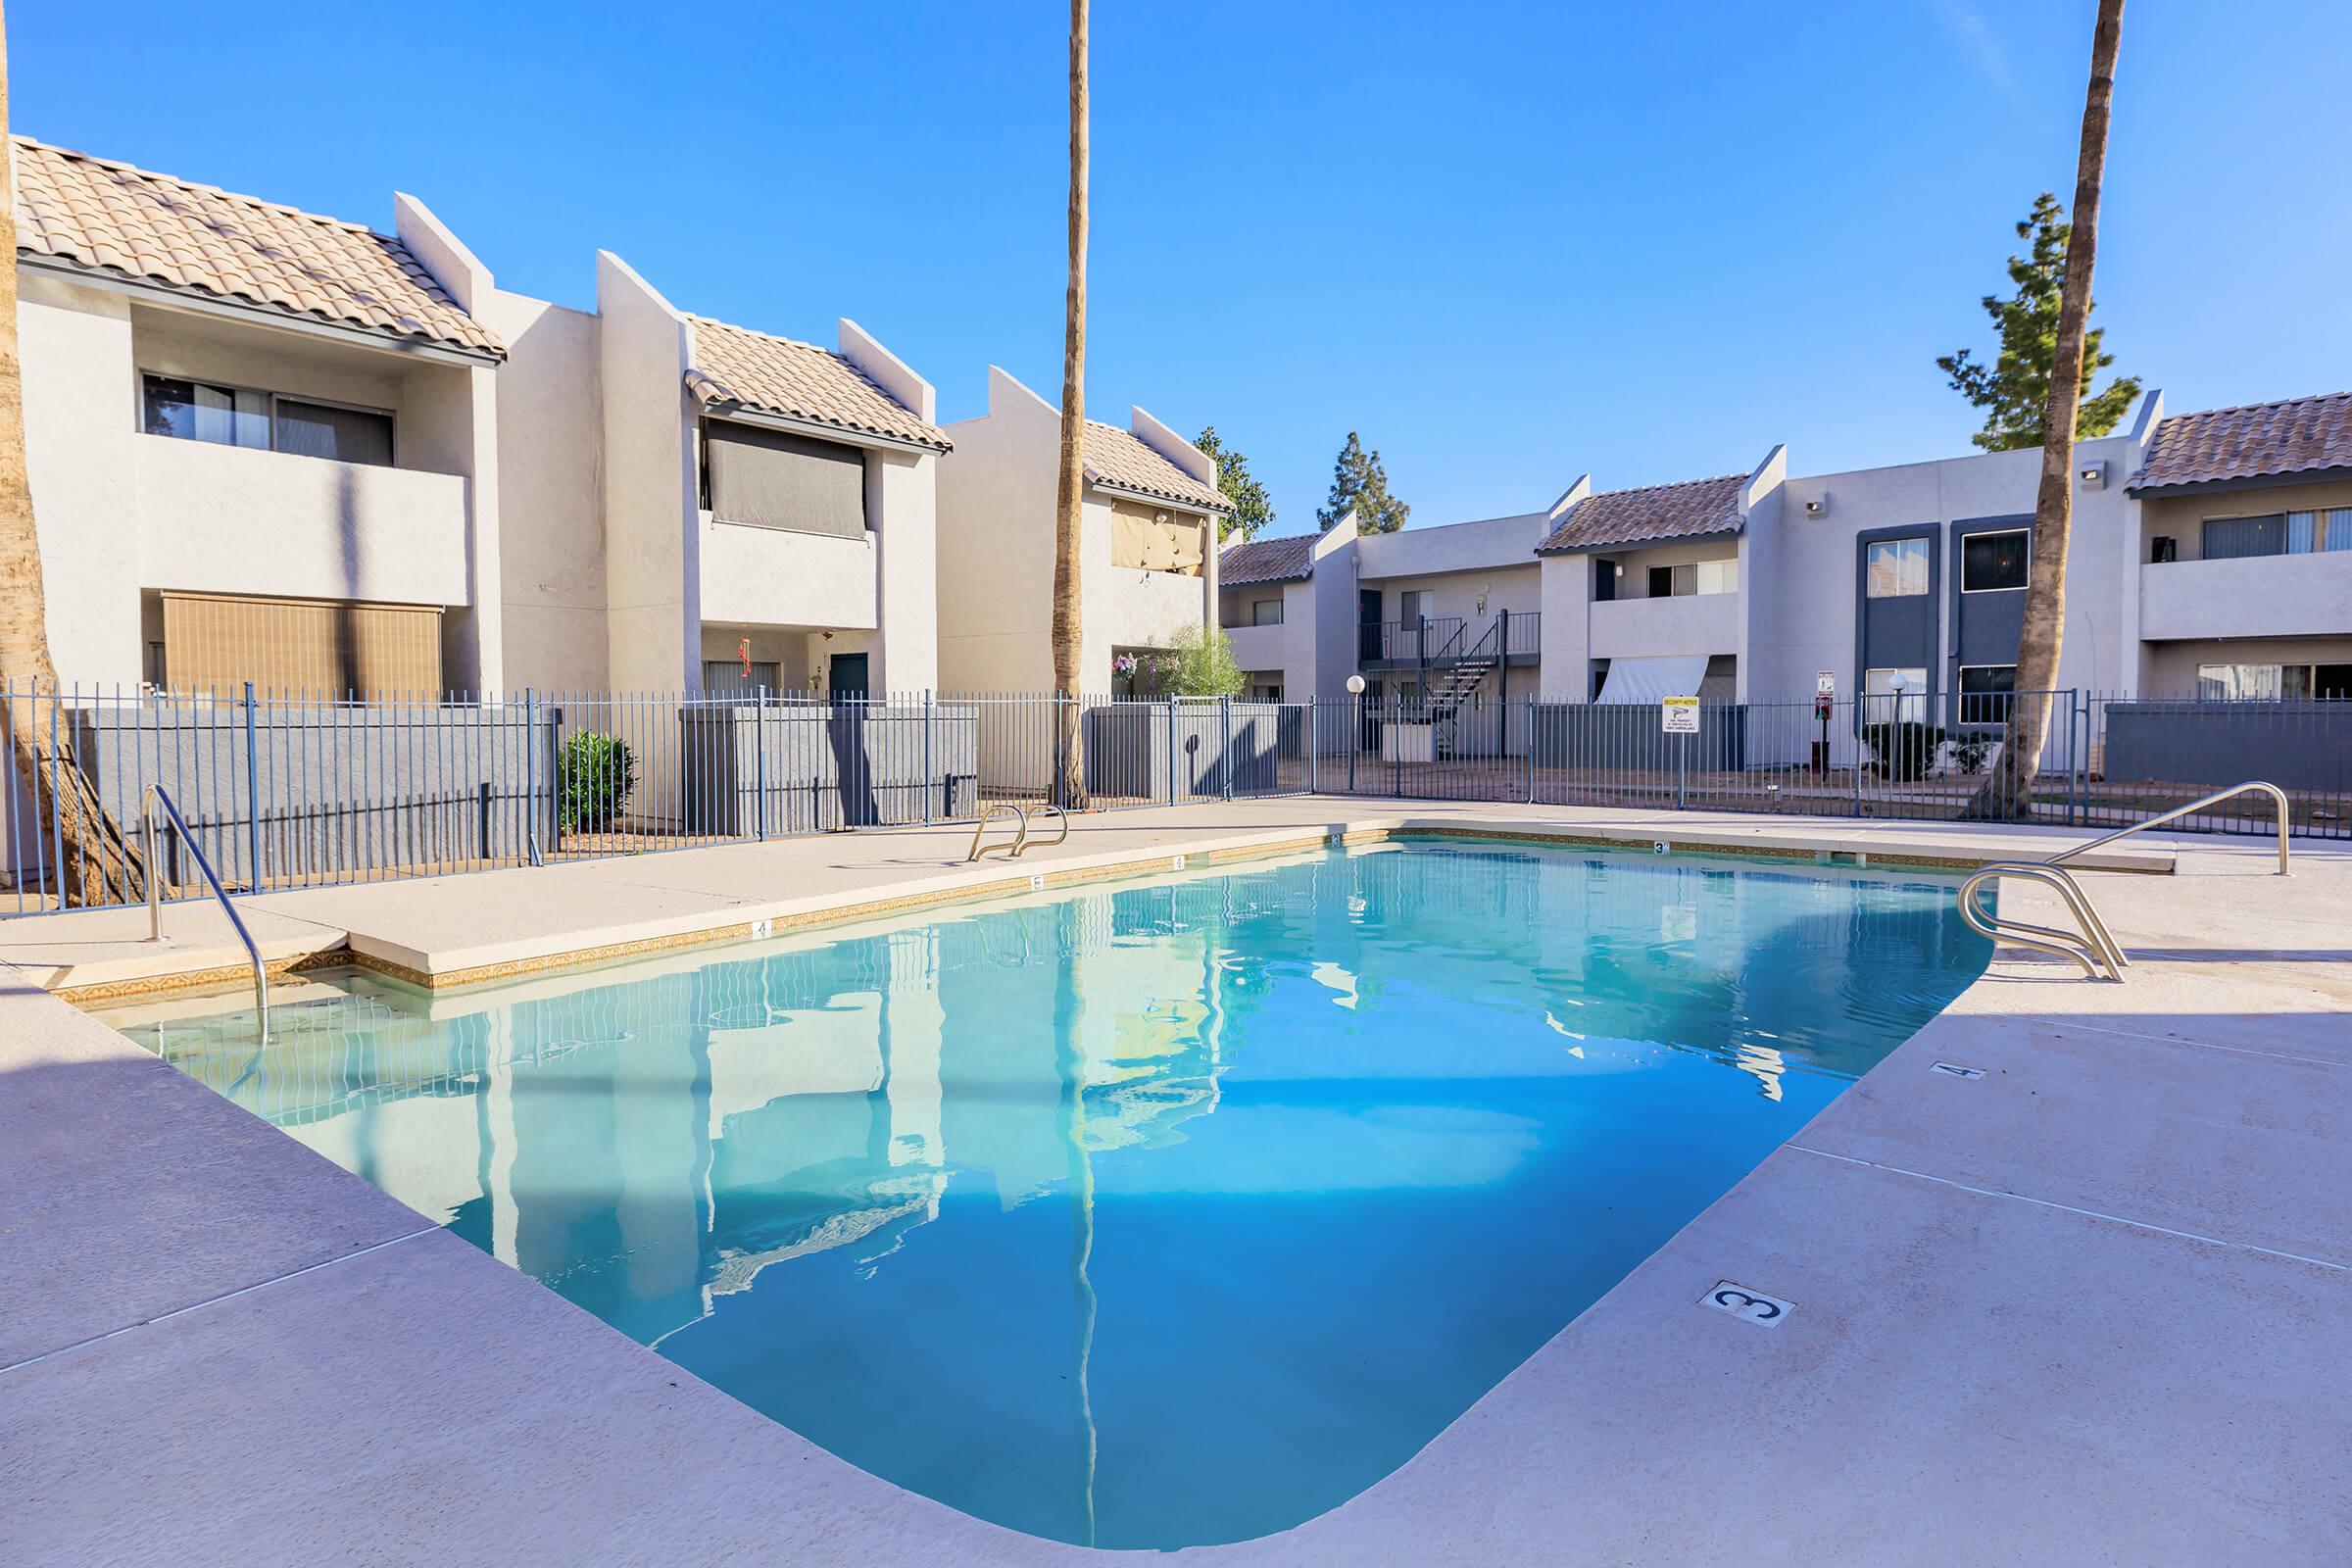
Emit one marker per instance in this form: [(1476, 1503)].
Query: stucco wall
[(2182, 516), (653, 589), (1801, 587), (902, 497), (552, 536), (2171, 669), (774, 576), (81, 416)]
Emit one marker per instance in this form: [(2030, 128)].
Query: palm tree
[(95, 866), (2008, 788), (1068, 494)]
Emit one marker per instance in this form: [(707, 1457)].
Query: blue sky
[(1508, 244)]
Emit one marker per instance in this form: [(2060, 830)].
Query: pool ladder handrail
[(154, 797), (2092, 946), (1014, 847)]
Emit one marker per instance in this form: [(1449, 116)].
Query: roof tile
[(153, 228), (1687, 509), (735, 366), (1124, 460), (1290, 559), (2257, 441)]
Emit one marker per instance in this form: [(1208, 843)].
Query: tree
[(1359, 484), (1069, 482), (1252, 508), (2015, 389), (2008, 787), (95, 863)]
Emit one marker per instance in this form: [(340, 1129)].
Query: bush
[(1204, 665), (1970, 750), (1901, 751), (593, 779)]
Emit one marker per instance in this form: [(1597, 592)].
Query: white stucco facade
[(995, 552)]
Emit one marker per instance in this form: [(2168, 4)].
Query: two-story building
[(2244, 553), (276, 447), (1147, 547), (263, 443)]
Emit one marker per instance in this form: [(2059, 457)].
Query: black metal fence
[(297, 792), (2107, 760), (294, 792)]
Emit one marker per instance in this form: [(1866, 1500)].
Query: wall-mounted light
[(1818, 506), (2093, 476)]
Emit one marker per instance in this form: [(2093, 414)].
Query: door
[(1367, 625), (845, 674)]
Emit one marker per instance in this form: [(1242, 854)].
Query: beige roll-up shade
[(1140, 541), (775, 480), (301, 647)]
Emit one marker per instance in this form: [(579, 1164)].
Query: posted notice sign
[(1678, 715)]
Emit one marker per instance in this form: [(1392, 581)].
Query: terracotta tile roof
[(152, 228), (1290, 559), (1124, 460), (1686, 510), (2259, 441), (735, 366)]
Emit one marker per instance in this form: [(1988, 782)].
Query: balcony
[(756, 576), (215, 519), (1441, 642), (1647, 628), (2307, 595), (1143, 608), (1260, 648)]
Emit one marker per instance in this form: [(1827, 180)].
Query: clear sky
[(1506, 243)]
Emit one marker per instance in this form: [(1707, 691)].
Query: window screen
[(771, 479), (1992, 561), (323, 431), (2231, 538), (1265, 613)]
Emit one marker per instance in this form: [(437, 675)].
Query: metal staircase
[(1448, 689)]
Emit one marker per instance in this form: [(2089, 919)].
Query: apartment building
[(2210, 557), (273, 446), (263, 443), (1149, 557)]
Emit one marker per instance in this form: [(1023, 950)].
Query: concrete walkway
[(2093, 1305)]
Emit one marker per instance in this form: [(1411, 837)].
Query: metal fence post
[(930, 714), (1225, 759), (530, 774), (253, 799), (1682, 771), (760, 764)]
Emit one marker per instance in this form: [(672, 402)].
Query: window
[(2273, 683), (1265, 611), (1895, 568), (1265, 691), (723, 680), (769, 479), (2276, 533), (1895, 695), (1993, 561), (1412, 605), (1986, 691), (1695, 577), (241, 416)]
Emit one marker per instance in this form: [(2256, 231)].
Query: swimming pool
[(1154, 1214)]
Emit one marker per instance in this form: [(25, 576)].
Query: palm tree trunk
[(1070, 486), (94, 864), (2008, 788)]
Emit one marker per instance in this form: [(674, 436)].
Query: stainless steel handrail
[(2093, 947), (154, 797), (2277, 795), (1010, 846), (1047, 805)]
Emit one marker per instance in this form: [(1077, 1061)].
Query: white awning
[(1645, 680)]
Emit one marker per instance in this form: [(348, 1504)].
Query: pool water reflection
[(1151, 1215)]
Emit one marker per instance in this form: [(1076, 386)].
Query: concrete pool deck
[(2093, 1305)]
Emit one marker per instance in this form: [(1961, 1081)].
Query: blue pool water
[(1155, 1214)]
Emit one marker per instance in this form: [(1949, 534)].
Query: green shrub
[(1204, 666), (1902, 751), (594, 777)]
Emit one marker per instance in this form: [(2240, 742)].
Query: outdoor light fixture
[(2093, 476), (1355, 685), (1815, 509)]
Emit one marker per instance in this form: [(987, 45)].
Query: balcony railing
[(1439, 641)]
